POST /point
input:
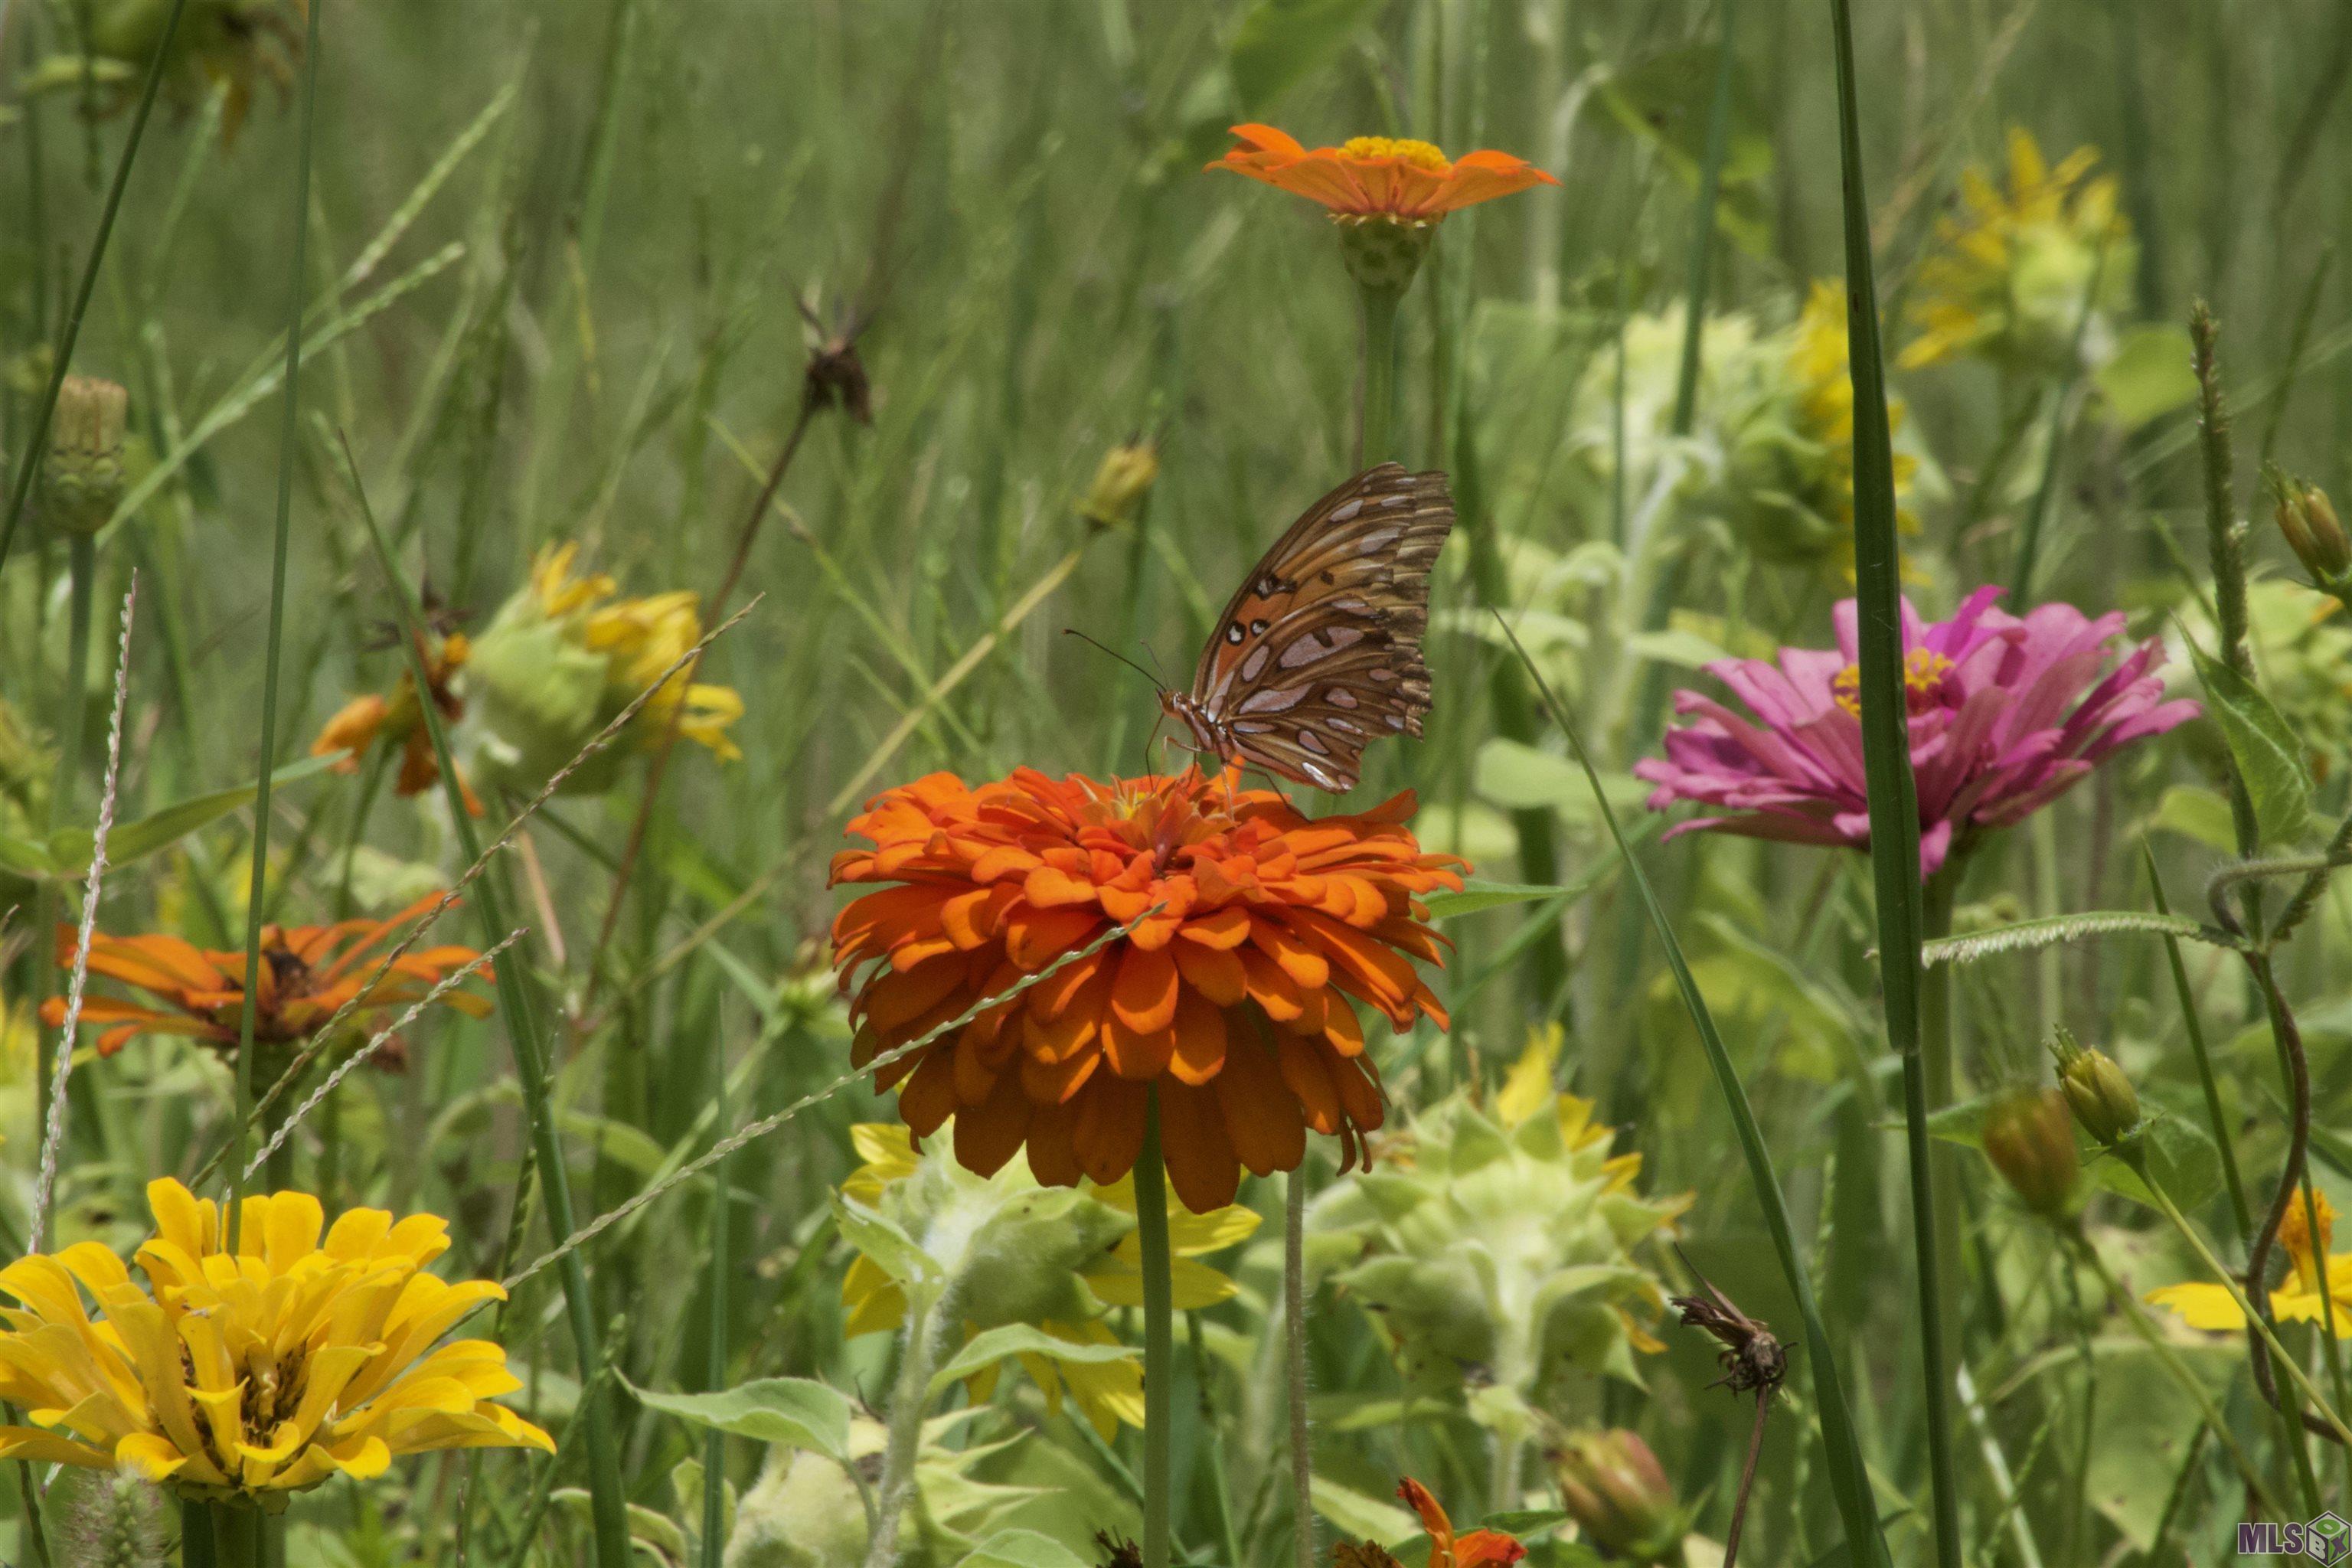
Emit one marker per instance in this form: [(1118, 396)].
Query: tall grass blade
[(1849, 1478), (1890, 790)]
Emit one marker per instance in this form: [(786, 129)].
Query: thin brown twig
[(1747, 1478)]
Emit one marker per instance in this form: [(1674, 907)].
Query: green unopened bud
[(2101, 1097), (2030, 1139), (1383, 253), (1618, 1494), (109, 1519), (82, 479), (2312, 531), (1122, 481)]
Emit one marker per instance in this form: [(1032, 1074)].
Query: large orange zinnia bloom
[(307, 973), (1378, 176), (1235, 998)]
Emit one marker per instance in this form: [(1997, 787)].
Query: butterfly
[(1319, 651)]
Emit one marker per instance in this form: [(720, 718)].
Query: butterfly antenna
[(1074, 632)]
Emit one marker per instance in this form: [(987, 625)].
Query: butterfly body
[(1319, 653)]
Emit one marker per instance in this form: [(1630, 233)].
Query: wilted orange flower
[(1445, 1549), (1233, 997), (399, 719), (306, 973), (1378, 176)]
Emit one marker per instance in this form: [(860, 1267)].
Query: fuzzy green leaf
[(797, 1412), (2263, 747), (986, 1350)]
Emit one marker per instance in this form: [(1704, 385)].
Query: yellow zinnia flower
[(2011, 272), (1066, 1275), (252, 1374), (2296, 1300), (640, 638)]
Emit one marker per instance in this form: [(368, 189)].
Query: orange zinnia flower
[(1232, 998), (1445, 1549), (399, 718), (307, 973), (1378, 176)]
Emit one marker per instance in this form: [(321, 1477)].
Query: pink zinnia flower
[(2006, 715)]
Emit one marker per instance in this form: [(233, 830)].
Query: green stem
[(904, 1445), (1891, 793), (1936, 898), (714, 1447), (2176, 1369), (1702, 244), (1159, 1341), (2204, 1058), (520, 1010), (236, 1536), (82, 555), (2220, 1272), (37, 434), (196, 1536), (1293, 1363), (258, 885), (1376, 435)]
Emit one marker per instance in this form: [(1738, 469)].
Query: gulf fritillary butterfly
[(1319, 651)]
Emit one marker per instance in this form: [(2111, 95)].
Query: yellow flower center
[(1924, 674), (1421, 155), (2294, 1234)]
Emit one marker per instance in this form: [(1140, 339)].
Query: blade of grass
[(37, 434), (520, 1009), (1849, 1479), (2196, 1048), (256, 899), (1891, 793)]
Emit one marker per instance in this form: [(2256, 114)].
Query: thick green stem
[(1158, 1341), (904, 1445), (1293, 1360), (1936, 898), (236, 1536), (1376, 437)]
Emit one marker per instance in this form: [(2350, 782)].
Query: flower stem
[(236, 1536), (1159, 1340), (1293, 1355), (904, 1445), (1376, 431), (714, 1451), (2221, 1271)]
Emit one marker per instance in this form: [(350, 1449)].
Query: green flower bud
[(1614, 1488), (2312, 531), (1383, 253), (1120, 484), (2030, 1139), (2102, 1098), (83, 476)]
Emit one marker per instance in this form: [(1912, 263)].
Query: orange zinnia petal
[(1200, 1154)]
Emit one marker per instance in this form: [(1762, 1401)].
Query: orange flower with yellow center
[(308, 974), (2202, 1305), (1255, 931), (1385, 178)]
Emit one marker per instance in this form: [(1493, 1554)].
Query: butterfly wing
[(1319, 651)]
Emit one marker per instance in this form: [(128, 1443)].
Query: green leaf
[(1022, 1549), (797, 1412), (1365, 1518), (1282, 42), (2263, 746), (1477, 895), (2149, 374), (1019, 1339), (2180, 1155), (1518, 776), (67, 853), (2198, 814), (901, 1256)]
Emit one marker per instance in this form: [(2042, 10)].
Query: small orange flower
[(360, 724), (1235, 997), (1378, 176), (306, 973), (1445, 1549)]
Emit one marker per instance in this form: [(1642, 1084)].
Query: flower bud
[(2312, 531), (1383, 253), (1121, 482), (2030, 1139), (1617, 1492), (2102, 1098), (82, 479)]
